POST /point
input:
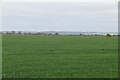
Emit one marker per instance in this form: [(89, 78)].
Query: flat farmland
[(43, 56)]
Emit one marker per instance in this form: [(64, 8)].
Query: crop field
[(43, 56)]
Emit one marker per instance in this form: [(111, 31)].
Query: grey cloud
[(60, 16)]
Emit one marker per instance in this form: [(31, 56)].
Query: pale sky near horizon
[(60, 0), (61, 16)]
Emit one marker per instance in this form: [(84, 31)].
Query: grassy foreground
[(34, 56)]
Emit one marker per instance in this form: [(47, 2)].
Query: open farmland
[(35, 56)]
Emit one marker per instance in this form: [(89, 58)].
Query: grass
[(34, 56)]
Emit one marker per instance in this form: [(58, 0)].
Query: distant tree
[(56, 33), (7, 32), (96, 34), (81, 34), (29, 33), (49, 34), (25, 33), (38, 33), (19, 32), (13, 32), (108, 35)]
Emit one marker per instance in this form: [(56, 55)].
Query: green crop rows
[(37, 56)]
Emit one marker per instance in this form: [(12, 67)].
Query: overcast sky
[(60, 16), (60, 0)]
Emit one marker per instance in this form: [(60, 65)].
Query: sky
[(60, 0), (60, 16)]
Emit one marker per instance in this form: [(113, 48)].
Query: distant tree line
[(38, 33)]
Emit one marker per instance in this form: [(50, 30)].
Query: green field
[(35, 56)]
